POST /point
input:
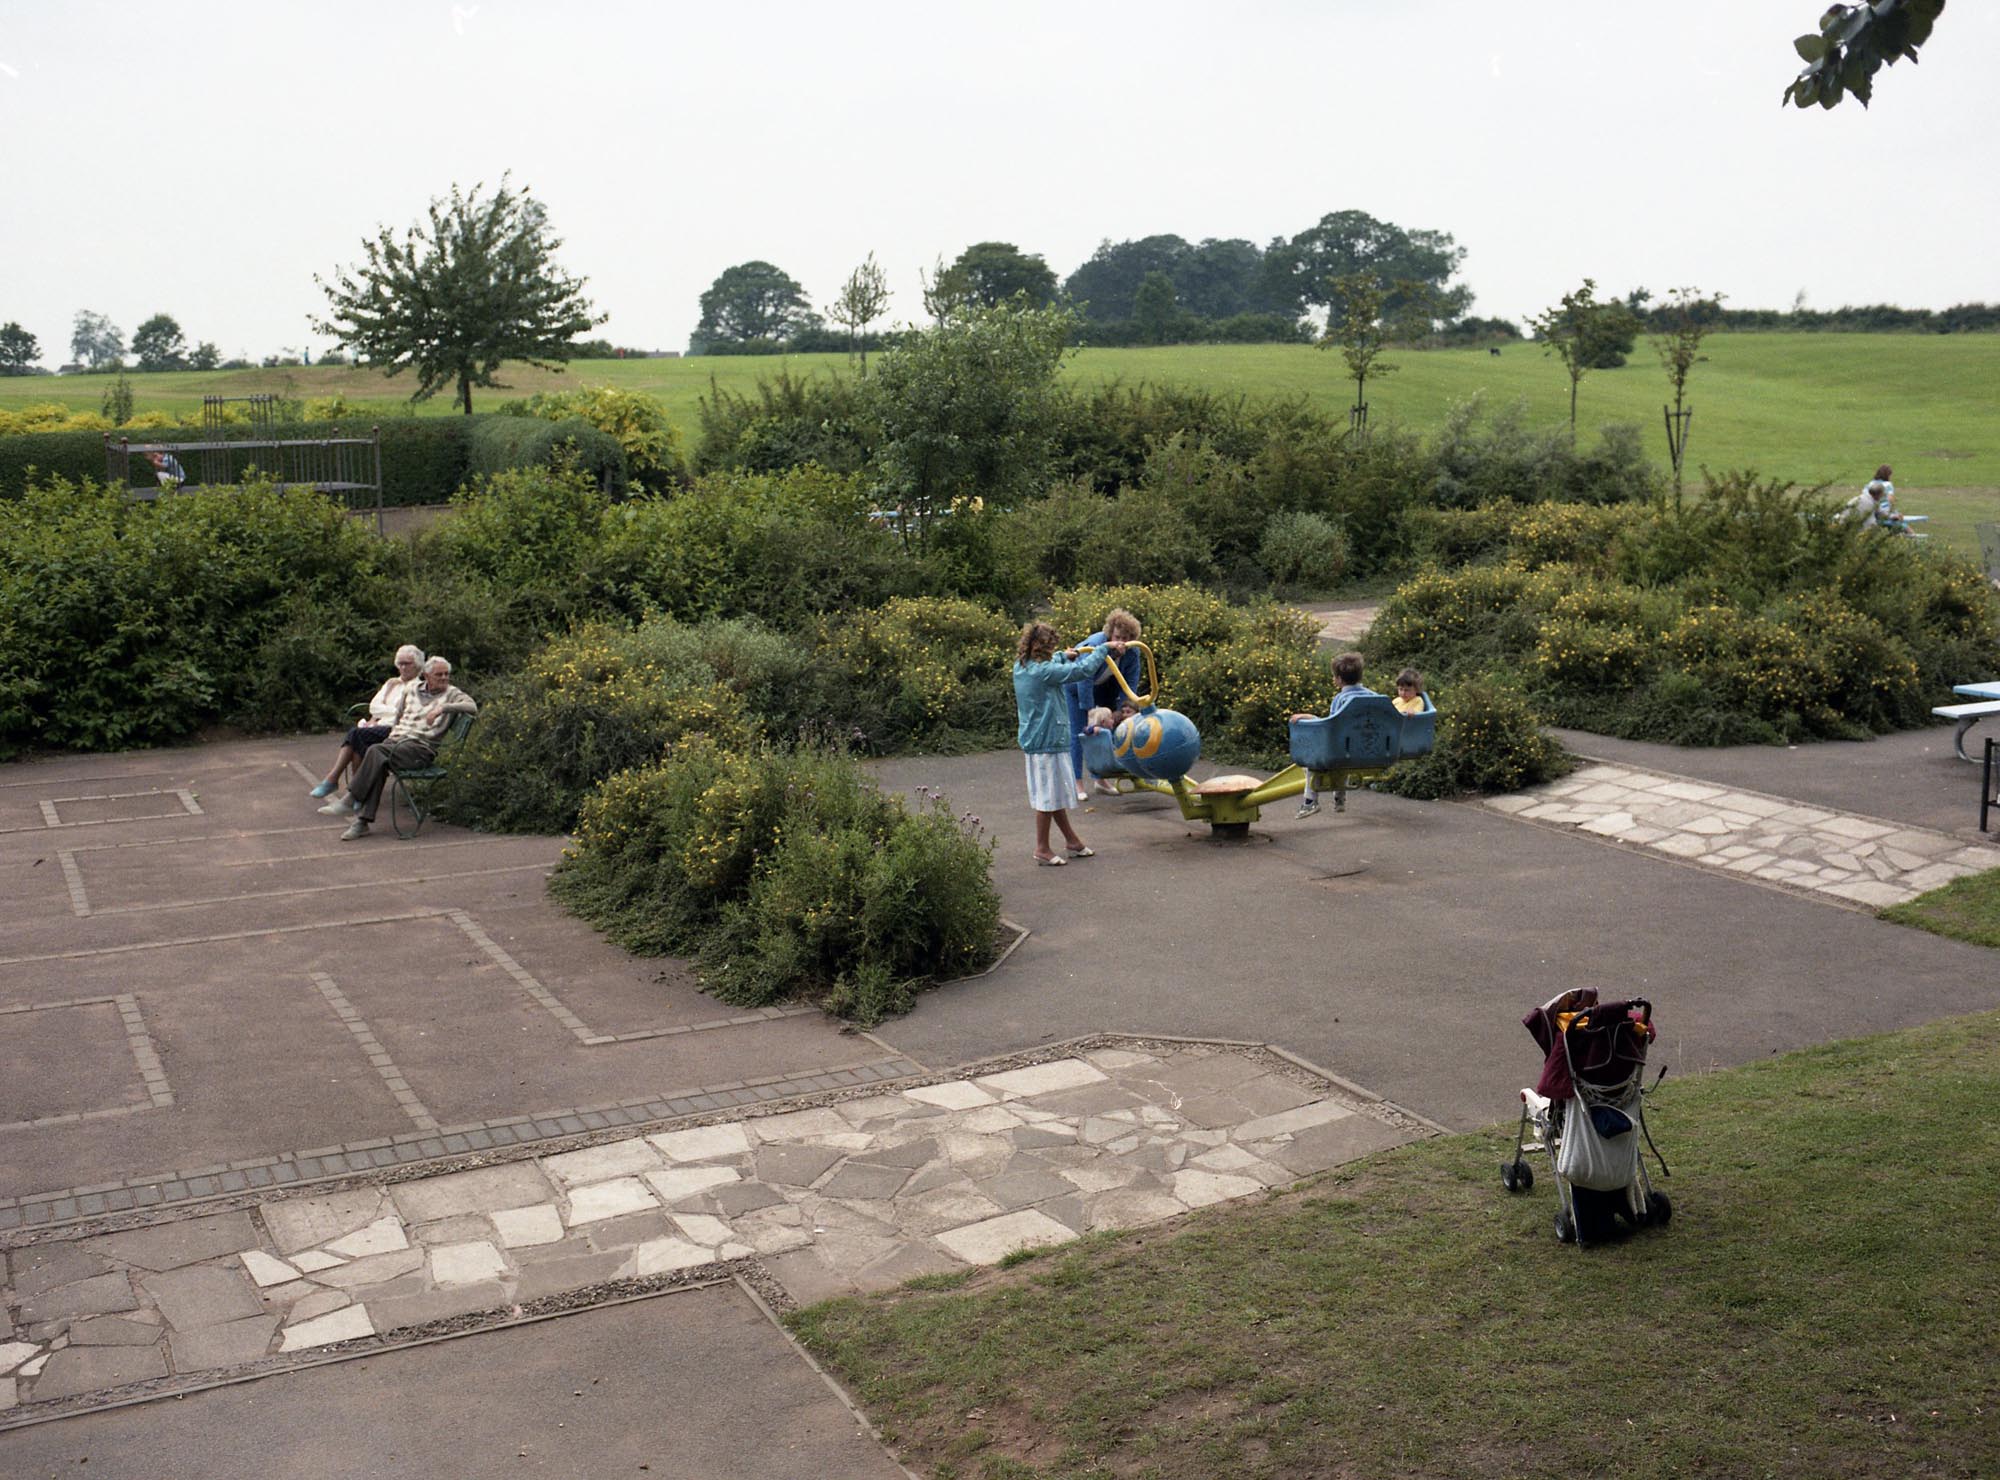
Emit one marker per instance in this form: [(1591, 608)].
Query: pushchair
[(1588, 1112)]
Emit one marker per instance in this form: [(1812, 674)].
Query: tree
[(1681, 323), (96, 341), (471, 287), (117, 402), (754, 301), (1344, 243), (159, 344), (1361, 334), (861, 300), (18, 349), (205, 357), (1154, 307), (969, 409), (945, 292), (1579, 332), (993, 273), (1853, 43)]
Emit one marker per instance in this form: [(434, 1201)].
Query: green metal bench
[(406, 802)]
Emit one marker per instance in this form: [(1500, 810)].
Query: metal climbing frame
[(347, 468)]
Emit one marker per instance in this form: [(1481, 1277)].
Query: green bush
[(1301, 549), (1178, 620), (1488, 740), (636, 421), (128, 623), (531, 529), (783, 873), (780, 547), (928, 674), (788, 422), (501, 444), (1143, 535), (591, 703)]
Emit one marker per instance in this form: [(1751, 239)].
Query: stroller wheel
[(1659, 1210), (1565, 1229), (1517, 1175)]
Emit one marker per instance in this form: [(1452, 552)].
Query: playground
[(1180, 1022)]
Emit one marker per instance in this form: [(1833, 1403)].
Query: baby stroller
[(1588, 1112)]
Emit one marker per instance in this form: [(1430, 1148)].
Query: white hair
[(410, 650), (444, 663)]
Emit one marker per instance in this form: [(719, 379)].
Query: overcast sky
[(206, 160)]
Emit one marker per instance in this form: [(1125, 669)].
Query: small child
[(1099, 720), (1347, 671), (1409, 692)]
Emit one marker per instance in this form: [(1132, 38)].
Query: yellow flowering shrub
[(922, 673)]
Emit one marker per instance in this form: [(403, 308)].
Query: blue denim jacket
[(1038, 696)]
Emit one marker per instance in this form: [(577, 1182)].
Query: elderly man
[(423, 712)]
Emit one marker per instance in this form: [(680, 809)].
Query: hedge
[(499, 443), (425, 459)]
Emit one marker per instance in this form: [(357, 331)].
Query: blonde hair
[(1100, 717), (1118, 621), (1038, 641)]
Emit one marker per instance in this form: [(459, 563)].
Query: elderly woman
[(381, 715)]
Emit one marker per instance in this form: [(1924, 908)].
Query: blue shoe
[(324, 789)]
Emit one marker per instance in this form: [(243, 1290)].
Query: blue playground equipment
[(1154, 749)]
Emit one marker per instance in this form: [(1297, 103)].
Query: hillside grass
[(1821, 1305), (1809, 407)]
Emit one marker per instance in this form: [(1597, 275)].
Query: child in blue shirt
[(1043, 730), (1347, 670)]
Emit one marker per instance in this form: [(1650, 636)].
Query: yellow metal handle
[(1152, 676)]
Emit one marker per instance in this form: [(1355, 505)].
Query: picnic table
[(1986, 701)]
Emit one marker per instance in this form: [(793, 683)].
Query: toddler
[(1409, 692)]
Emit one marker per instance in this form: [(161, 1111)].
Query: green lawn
[(1822, 1305), (1811, 407), (1965, 909)]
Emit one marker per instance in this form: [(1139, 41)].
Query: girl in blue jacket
[(1043, 732)]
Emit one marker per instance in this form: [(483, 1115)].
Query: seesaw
[(1154, 749)]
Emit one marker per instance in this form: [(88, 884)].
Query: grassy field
[(1810, 407), (1820, 1306), (1965, 909)]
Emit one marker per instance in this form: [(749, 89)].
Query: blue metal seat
[(1365, 736)]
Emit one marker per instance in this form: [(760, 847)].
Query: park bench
[(406, 801), (1986, 701)]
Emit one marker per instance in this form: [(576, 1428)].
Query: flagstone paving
[(848, 1194), (1815, 850)]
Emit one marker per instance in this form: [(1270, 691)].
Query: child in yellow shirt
[(1409, 692)]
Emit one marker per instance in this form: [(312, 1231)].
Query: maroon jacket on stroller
[(1607, 1047)]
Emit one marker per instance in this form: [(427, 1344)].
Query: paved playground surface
[(234, 1038)]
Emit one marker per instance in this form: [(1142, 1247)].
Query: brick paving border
[(378, 1056), (141, 1197), (159, 1095)]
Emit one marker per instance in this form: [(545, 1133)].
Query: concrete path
[(1342, 623), (859, 1191), (697, 1383), (1864, 860)]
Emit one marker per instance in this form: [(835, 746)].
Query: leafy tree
[(159, 344), (1345, 243), (95, 341), (992, 273), (205, 356), (1213, 280), (1107, 286), (1853, 43), (1222, 277), (753, 301), (1154, 308), (473, 286), (18, 349), (117, 402), (1581, 331), (862, 298), (1680, 325), (1361, 335), (969, 410), (945, 292)]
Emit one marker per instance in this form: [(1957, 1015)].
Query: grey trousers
[(373, 772)]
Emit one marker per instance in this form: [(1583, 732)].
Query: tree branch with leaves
[(1853, 43), (456, 296)]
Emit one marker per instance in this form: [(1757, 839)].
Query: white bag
[(1590, 1159)]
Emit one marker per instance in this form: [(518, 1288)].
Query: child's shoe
[(1308, 808)]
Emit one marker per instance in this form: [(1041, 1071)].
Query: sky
[(208, 160)]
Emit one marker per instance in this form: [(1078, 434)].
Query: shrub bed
[(1748, 614), (783, 872)]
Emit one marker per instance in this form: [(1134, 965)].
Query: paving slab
[(84, 1369), (207, 1295)]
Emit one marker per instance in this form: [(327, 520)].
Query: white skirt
[(1051, 782)]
